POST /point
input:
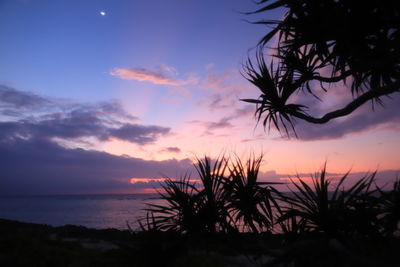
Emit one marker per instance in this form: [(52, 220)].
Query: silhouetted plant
[(292, 227), (325, 42), (213, 210), (146, 224), (333, 211), (180, 211), (191, 208), (390, 209), (229, 198), (250, 202)]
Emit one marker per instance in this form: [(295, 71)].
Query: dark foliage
[(250, 202), (190, 209), (331, 209), (230, 199), (390, 209), (324, 43)]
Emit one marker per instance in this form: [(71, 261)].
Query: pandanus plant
[(228, 198), (191, 207), (213, 212), (179, 212), (330, 209), (316, 46), (251, 203)]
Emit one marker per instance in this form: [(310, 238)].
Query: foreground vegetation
[(230, 198)]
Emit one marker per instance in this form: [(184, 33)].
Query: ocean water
[(93, 211)]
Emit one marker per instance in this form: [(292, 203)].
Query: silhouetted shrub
[(230, 198)]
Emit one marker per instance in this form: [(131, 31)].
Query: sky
[(102, 96)]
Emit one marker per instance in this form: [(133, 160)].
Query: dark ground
[(27, 244)]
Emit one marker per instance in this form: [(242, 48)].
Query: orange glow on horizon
[(145, 180)]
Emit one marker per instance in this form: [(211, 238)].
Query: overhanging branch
[(349, 108)]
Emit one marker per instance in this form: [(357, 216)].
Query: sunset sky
[(99, 95)]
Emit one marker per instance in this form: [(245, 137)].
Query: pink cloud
[(156, 77), (219, 80), (166, 68)]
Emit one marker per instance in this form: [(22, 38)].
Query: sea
[(92, 211)]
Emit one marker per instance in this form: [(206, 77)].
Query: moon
[(103, 13)]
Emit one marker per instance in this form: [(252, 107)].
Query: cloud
[(14, 103), (219, 101), (213, 125), (71, 120), (223, 91), (138, 133), (36, 166), (258, 137), (75, 125), (336, 97), (12, 98), (364, 119), (40, 166), (219, 80), (172, 149), (177, 94), (167, 68), (383, 178), (147, 184), (23, 104), (37, 157), (161, 76), (244, 111), (224, 122)]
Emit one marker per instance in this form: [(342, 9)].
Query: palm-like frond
[(250, 202), (276, 89), (357, 42), (333, 211), (191, 208), (212, 207), (230, 198), (180, 211), (291, 223), (390, 209)]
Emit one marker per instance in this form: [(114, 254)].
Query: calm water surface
[(94, 211)]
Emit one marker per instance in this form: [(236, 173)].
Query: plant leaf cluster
[(230, 198), (331, 209), (324, 42)]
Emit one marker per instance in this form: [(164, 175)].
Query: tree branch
[(353, 105), (331, 79)]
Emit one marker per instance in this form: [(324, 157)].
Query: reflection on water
[(94, 211)]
